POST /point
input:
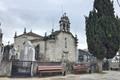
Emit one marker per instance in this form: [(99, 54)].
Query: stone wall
[(56, 48), (5, 68)]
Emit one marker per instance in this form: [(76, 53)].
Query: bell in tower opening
[(64, 23)]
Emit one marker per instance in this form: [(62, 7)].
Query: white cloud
[(3, 7)]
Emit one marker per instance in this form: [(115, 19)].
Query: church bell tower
[(64, 23)]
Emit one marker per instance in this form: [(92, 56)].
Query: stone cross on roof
[(64, 14)]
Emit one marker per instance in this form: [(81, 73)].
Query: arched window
[(65, 42)]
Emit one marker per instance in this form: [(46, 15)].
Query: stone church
[(57, 46)]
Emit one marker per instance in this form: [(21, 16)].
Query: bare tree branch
[(118, 3)]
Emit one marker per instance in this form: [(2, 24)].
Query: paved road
[(107, 75)]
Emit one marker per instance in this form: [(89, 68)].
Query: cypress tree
[(103, 30)]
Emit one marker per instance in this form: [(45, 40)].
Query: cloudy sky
[(43, 15)]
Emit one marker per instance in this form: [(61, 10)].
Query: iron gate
[(21, 68)]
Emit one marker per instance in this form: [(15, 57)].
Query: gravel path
[(107, 75)]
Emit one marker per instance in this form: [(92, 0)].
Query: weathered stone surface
[(28, 52), (59, 45), (5, 68)]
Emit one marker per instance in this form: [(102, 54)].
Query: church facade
[(60, 45)]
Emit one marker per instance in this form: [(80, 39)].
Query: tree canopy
[(103, 30)]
